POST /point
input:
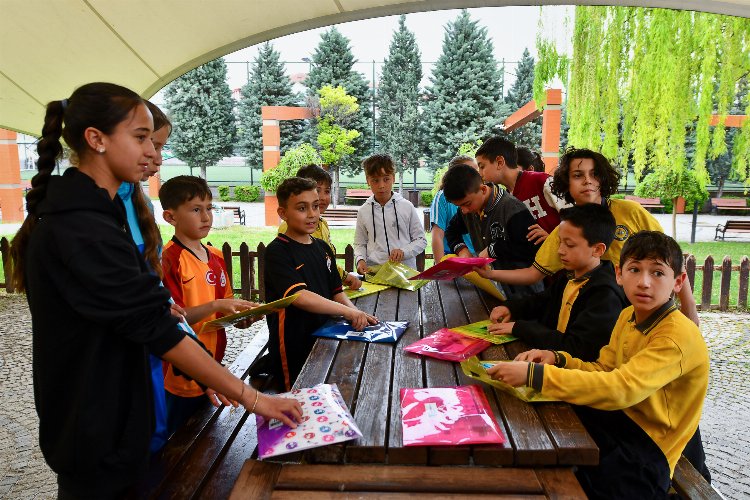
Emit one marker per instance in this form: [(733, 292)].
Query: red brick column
[(11, 193), (551, 118)]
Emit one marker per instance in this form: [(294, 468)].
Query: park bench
[(732, 226), (358, 194), (646, 202), (689, 484), (728, 204), (239, 214), (340, 214)]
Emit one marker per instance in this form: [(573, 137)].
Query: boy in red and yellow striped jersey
[(196, 276)]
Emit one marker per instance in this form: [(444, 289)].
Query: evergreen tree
[(465, 91), (332, 64), (201, 108), (398, 102), (268, 86), (520, 93)]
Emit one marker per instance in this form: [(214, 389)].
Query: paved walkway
[(24, 474)]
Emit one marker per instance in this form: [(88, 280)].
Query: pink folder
[(452, 268), (449, 345)]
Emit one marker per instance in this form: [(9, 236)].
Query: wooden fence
[(252, 285)]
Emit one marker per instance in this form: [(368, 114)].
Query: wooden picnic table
[(544, 440)]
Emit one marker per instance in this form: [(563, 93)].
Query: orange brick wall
[(11, 193)]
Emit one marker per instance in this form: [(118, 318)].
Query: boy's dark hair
[(497, 146), (529, 160), (160, 119), (373, 164), (292, 187), (608, 176), (653, 245), (181, 189), (316, 173), (460, 160), (460, 181), (595, 221)]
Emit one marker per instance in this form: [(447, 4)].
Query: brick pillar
[(11, 193), (551, 117), (154, 184)]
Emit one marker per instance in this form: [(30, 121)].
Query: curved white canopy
[(50, 47)]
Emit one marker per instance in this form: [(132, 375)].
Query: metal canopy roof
[(50, 47)]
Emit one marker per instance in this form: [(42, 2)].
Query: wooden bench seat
[(732, 226), (340, 214), (689, 484), (728, 204), (646, 202), (358, 194), (239, 214)]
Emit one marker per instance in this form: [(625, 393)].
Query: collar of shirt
[(650, 323), (497, 195), (585, 277)]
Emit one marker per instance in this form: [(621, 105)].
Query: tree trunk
[(203, 172), (721, 188), (401, 182), (674, 218), (335, 198), (415, 178)]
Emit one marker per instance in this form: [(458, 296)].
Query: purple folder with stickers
[(383, 332), (325, 420)]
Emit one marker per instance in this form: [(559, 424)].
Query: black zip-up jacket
[(592, 316), (96, 314)]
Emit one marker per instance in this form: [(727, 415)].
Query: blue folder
[(383, 332)]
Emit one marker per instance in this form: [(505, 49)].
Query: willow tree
[(639, 79)]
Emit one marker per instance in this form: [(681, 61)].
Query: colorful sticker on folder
[(477, 369), (325, 420), (233, 319), (478, 330), (447, 416)]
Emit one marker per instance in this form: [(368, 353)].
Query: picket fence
[(252, 283)]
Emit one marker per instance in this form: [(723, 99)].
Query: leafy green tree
[(268, 85), (462, 100), (201, 108), (332, 64), (521, 92), (291, 161), (398, 99), (337, 111)]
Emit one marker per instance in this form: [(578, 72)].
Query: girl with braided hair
[(97, 310)]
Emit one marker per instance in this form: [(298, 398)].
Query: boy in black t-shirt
[(295, 262)]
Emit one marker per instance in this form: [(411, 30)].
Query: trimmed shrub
[(246, 193), (426, 198), (224, 193)]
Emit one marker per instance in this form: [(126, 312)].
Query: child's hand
[(287, 410), (500, 314), (220, 399), (536, 234), (177, 312), (360, 319), (484, 253), (514, 373), (537, 356), (484, 272), (362, 267), (352, 281), (247, 323), (233, 306), (501, 328), (397, 255)]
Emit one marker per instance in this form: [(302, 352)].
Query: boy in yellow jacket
[(643, 396)]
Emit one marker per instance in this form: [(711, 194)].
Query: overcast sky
[(511, 29)]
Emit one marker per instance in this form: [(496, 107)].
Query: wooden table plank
[(256, 480), (573, 444), (407, 373), (371, 407), (379, 495), (560, 483)]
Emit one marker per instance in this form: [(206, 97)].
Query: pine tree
[(268, 86), (201, 108), (520, 93), (465, 92), (332, 64), (398, 102)]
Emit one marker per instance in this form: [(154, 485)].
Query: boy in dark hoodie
[(577, 312)]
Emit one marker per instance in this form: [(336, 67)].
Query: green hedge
[(246, 193), (426, 198), (224, 193)]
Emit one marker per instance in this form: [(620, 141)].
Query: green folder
[(476, 368), (395, 274), (366, 289), (233, 319), (478, 330)]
